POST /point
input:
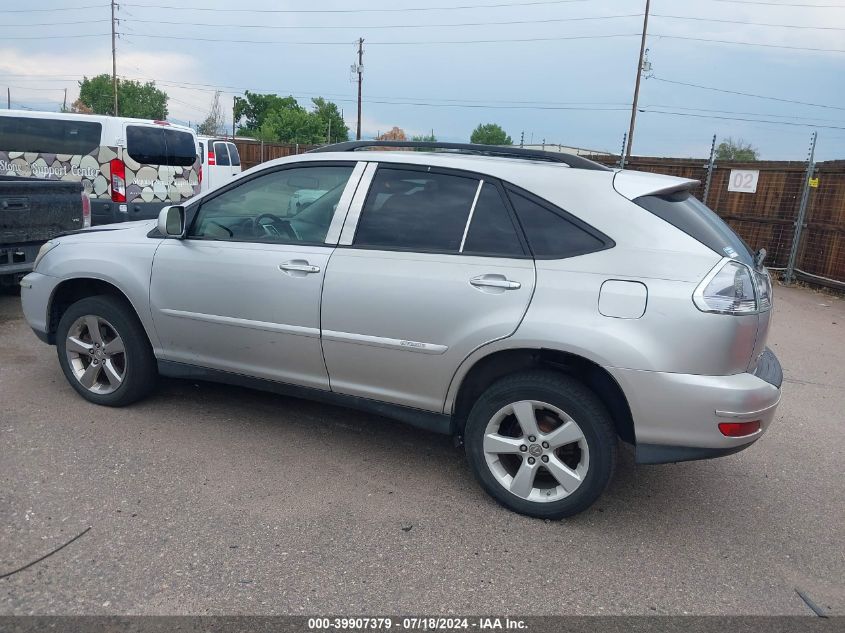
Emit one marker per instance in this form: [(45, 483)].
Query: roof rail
[(572, 160)]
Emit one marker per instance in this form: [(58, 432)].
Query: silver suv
[(536, 306)]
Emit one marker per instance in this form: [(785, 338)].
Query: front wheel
[(104, 351), (541, 444)]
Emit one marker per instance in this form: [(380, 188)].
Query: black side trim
[(427, 420), (769, 369), (662, 454)]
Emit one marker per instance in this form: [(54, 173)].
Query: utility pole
[(710, 166), (637, 84), (64, 102), (113, 55), (360, 70), (234, 107), (8, 98)]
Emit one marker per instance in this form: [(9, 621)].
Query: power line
[(785, 26), (56, 37), (90, 6), (748, 94), (783, 4), (392, 26), (412, 43), (728, 118), (380, 10), (54, 23), (794, 48)]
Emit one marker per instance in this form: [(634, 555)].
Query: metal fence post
[(802, 211), (622, 152), (711, 165)]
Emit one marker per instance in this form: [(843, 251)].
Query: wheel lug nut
[(523, 448), (531, 460), (531, 438), (545, 444), (545, 458)]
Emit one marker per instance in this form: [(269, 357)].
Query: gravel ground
[(206, 499)]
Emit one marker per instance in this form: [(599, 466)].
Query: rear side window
[(491, 231), (160, 146), (685, 212), (221, 154), (52, 136), (416, 211), (234, 156), (550, 235)]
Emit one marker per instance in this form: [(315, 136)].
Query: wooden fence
[(764, 219), (255, 152)]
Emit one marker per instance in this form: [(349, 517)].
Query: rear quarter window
[(52, 136), (160, 146), (552, 233)]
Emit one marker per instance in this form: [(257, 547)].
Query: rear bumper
[(108, 212), (676, 416), (16, 259)]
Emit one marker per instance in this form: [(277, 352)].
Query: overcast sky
[(572, 83)]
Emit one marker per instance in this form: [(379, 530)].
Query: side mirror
[(171, 221)]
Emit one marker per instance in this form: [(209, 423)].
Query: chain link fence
[(793, 209)]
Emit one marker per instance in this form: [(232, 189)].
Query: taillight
[(211, 159), (199, 175), (86, 210), (118, 180), (727, 289), (739, 429)]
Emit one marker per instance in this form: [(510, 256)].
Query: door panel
[(397, 325), (230, 306), (406, 301), (242, 293)]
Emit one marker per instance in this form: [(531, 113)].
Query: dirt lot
[(209, 499)]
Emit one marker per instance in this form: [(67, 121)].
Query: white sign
[(744, 180)]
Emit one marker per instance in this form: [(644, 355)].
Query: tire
[(569, 472), (81, 357)]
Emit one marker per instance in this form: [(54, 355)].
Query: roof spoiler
[(633, 184)]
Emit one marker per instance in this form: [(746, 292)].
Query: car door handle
[(300, 266), (495, 281)]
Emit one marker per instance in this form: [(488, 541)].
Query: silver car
[(538, 307)]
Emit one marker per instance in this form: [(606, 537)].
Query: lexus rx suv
[(537, 306)]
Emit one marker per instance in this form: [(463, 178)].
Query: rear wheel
[(541, 444), (104, 352)]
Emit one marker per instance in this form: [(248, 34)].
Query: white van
[(130, 168), (220, 161)]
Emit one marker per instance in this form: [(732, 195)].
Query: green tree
[(739, 149), (282, 119), (490, 134), (328, 113), (292, 125), (135, 99), (425, 138), (255, 107)]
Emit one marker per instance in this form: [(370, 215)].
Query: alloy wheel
[(536, 451), (96, 354)]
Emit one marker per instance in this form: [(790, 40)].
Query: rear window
[(233, 155), (221, 154), (160, 146), (52, 136), (685, 212)]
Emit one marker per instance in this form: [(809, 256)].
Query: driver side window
[(289, 206)]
